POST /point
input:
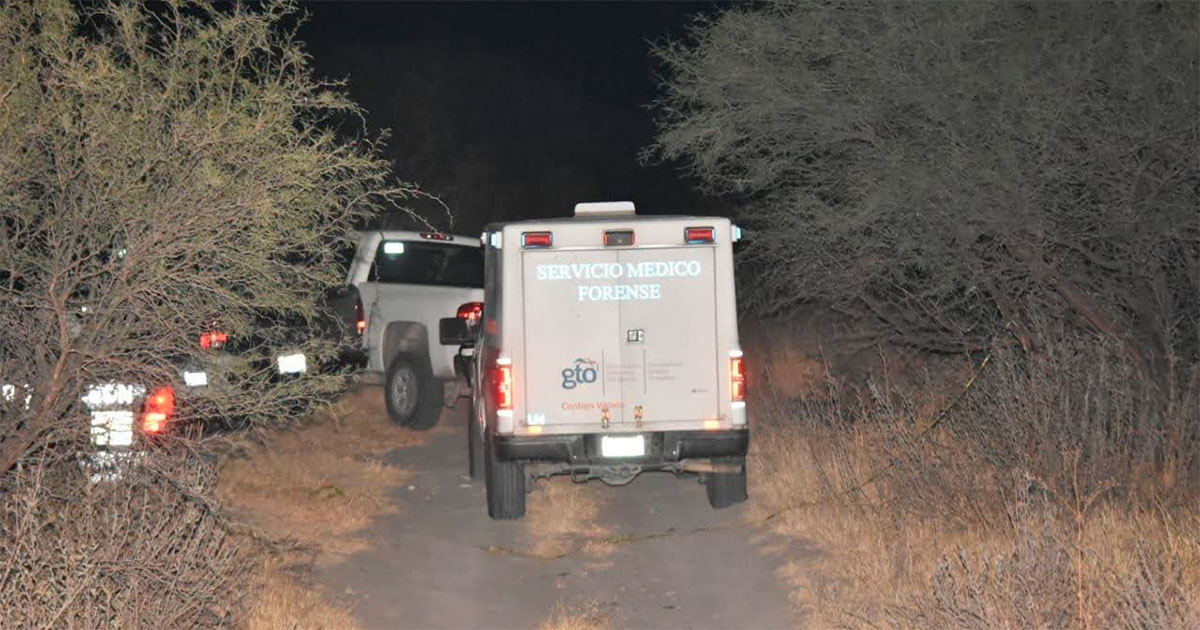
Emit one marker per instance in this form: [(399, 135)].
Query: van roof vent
[(604, 208)]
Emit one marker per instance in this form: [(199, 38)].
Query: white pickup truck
[(406, 282)]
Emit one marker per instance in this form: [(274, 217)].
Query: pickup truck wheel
[(413, 395), (505, 486), (726, 489)]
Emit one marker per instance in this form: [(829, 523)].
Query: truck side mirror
[(454, 331)]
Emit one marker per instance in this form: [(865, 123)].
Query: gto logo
[(584, 371)]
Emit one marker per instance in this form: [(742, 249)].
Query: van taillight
[(698, 235), (504, 386), (536, 239), (471, 311), (737, 380), (360, 319), (158, 409)]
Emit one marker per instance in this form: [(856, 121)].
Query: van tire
[(505, 486), (412, 394), (726, 489)]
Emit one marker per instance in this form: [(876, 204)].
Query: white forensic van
[(608, 347)]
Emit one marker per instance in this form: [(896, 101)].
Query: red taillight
[(360, 320), (215, 340), (504, 386), (536, 239), (698, 235), (737, 380), (158, 409), (436, 236), (471, 311)]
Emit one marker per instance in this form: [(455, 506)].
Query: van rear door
[(668, 342), (570, 343)]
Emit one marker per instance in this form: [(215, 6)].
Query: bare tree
[(938, 168), (163, 168)]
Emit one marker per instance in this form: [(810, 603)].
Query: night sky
[(510, 110)]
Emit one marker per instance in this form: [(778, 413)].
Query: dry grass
[(1062, 492), (582, 615), (322, 483), (561, 513), (143, 552), (319, 485), (286, 602)]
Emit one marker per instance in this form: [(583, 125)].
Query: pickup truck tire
[(413, 395), (726, 489), (505, 486)]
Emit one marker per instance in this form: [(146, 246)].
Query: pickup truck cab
[(407, 281), (608, 346)]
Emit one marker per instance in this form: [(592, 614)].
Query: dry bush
[(144, 553), (1060, 491), (962, 161), (164, 168)]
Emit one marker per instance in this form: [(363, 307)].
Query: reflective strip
[(739, 413), (504, 421)]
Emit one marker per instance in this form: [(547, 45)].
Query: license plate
[(623, 446)]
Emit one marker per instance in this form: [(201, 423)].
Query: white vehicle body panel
[(405, 316), (612, 339)]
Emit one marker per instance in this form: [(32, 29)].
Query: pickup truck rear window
[(419, 262)]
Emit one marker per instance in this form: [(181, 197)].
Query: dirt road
[(441, 563)]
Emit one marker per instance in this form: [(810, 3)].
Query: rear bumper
[(661, 448)]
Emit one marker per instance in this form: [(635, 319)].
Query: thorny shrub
[(1059, 491), (146, 552), (165, 168)]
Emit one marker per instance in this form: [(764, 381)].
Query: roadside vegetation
[(312, 491), (165, 169), (1060, 490), (581, 615), (973, 254)]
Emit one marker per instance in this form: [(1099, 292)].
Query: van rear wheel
[(726, 489), (505, 485)]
